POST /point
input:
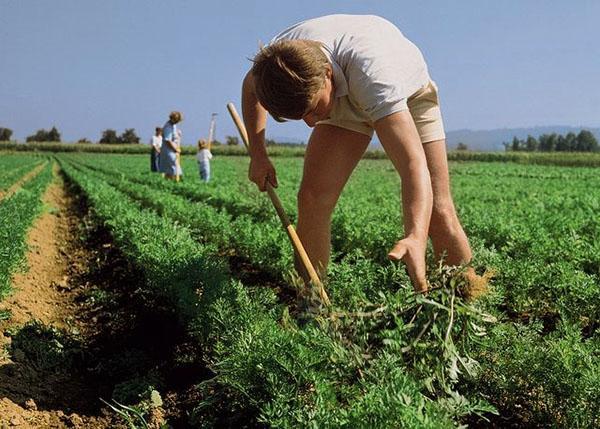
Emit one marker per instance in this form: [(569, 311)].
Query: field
[(178, 301)]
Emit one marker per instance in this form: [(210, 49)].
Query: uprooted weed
[(432, 332)]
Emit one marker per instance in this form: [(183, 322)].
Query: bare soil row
[(82, 328)]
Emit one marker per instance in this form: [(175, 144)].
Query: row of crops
[(526, 354), (18, 209)]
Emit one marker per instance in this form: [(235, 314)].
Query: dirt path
[(83, 326), (36, 388), (14, 188)]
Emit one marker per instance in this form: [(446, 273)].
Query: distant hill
[(491, 140)]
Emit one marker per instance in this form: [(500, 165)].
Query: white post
[(211, 131)]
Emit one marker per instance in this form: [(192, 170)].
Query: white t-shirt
[(203, 155), (156, 142), (375, 68)]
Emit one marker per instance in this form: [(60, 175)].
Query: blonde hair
[(202, 144), (175, 116), (287, 75)]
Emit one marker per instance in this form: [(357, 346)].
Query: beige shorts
[(424, 107)]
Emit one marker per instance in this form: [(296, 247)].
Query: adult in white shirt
[(348, 76), (155, 144)]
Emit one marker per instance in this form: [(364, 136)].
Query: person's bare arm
[(400, 139), (255, 119), (173, 145)]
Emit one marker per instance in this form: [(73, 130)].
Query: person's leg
[(203, 174), (445, 230), (331, 156), (207, 168)]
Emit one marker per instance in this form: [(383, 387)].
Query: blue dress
[(168, 157)]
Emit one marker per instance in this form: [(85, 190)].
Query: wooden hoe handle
[(313, 277)]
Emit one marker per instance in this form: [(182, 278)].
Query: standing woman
[(170, 148), (155, 143)]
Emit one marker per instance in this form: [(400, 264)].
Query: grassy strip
[(12, 175), (16, 216), (541, 380), (266, 245), (573, 159), (9, 160), (243, 199), (279, 150)]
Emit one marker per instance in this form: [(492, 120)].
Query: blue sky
[(86, 66)]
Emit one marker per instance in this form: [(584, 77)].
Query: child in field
[(170, 148), (204, 156), (155, 143), (349, 76)]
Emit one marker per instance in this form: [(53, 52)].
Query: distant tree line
[(129, 136), (571, 142), (234, 141), (109, 136), (53, 135), (44, 136)]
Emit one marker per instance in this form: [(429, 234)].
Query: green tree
[(571, 142), (129, 137), (515, 145), (39, 136), (44, 136), (232, 140), (53, 135), (546, 142), (531, 144), (5, 134), (552, 142), (586, 142), (109, 136), (561, 144), (462, 146)]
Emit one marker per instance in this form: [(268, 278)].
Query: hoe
[(309, 275)]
